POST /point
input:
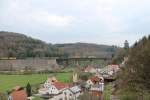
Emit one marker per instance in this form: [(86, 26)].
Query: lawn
[(106, 94), (9, 81)]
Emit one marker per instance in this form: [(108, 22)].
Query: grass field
[(9, 81), (107, 93)]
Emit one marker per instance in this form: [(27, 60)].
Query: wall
[(27, 64)]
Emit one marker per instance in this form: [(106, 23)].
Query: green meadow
[(7, 82)]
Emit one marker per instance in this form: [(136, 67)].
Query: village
[(54, 89), (74, 50)]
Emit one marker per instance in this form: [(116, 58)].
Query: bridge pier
[(75, 61)]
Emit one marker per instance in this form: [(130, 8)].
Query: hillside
[(86, 50), (19, 45), (135, 76)]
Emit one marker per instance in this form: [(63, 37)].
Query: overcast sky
[(63, 21)]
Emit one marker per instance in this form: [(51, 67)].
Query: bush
[(134, 96), (85, 75), (35, 88), (89, 96), (3, 96)]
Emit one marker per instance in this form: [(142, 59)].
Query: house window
[(9, 98), (65, 93), (70, 94)]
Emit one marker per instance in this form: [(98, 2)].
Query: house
[(68, 94), (48, 86), (114, 68), (93, 80), (18, 93), (57, 87), (53, 88), (76, 90), (89, 82), (59, 91), (43, 91), (90, 69), (109, 70), (98, 69), (96, 84), (64, 94), (51, 80)]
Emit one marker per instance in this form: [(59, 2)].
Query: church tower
[(75, 77), (126, 45)]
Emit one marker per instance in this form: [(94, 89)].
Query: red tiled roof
[(18, 94), (95, 79), (113, 66), (52, 79), (16, 88), (60, 85)]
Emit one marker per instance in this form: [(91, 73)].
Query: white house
[(110, 70), (57, 87), (68, 94), (101, 86), (93, 80), (43, 91), (52, 86), (65, 94), (59, 91), (90, 69), (76, 90), (113, 68), (96, 83), (50, 81), (89, 82), (53, 90)]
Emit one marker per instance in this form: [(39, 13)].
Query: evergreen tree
[(29, 90)]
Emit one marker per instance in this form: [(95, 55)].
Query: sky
[(108, 22)]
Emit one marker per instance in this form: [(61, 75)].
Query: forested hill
[(19, 45), (87, 50)]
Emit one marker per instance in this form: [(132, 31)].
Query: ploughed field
[(7, 82)]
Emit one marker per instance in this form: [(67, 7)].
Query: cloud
[(44, 17), (65, 20), (59, 20), (120, 15)]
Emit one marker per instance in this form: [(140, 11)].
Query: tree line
[(21, 46)]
